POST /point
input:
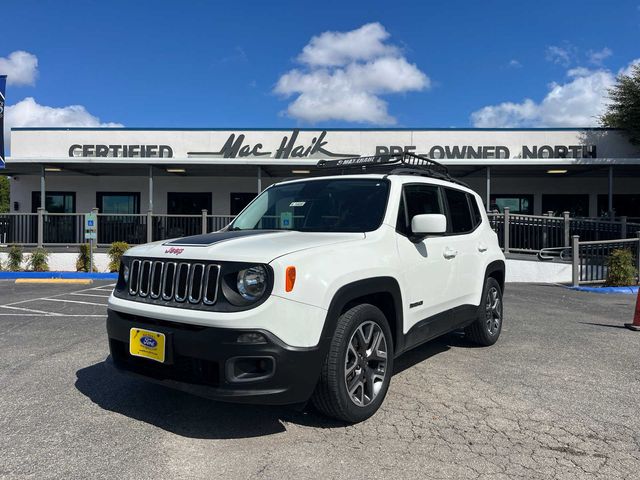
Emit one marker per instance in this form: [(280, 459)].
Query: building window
[(121, 203), (577, 205), (522, 204), (55, 202), (239, 200), (624, 205), (188, 203)]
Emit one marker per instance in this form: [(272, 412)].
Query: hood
[(261, 246)]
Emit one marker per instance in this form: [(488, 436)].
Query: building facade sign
[(312, 144)]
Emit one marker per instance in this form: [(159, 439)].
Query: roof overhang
[(206, 166)]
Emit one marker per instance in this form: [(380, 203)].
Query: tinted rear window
[(459, 213)]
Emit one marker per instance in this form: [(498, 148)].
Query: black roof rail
[(407, 164)]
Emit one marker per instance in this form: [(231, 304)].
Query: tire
[(486, 329), (352, 358)]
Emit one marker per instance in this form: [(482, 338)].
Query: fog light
[(250, 369), (251, 337)]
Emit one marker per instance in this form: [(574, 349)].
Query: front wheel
[(357, 370), (486, 329)]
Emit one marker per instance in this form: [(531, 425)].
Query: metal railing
[(516, 233), (19, 228), (533, 233), (57, 229), (589, 259)]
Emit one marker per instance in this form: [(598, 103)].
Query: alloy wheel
[(493, 311), (365, 364)]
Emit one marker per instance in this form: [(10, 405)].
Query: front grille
[(180, 282)]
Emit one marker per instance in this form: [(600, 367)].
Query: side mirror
[(428, 223)]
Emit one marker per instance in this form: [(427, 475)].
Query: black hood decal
[(207, 239)]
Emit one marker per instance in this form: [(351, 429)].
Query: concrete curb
[(608, 290), (52, 275), (74, 281)]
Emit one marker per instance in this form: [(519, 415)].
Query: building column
[(259, 179), (150, 188), (42, 188), (488, 188), (610, 193)]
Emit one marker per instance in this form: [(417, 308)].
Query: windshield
[(335, 205)]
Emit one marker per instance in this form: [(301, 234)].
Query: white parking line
[(52, 314), (90, 295), (53, 296), (73, 301)]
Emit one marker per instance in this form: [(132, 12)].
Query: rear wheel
[(487, 327), (357, 370)]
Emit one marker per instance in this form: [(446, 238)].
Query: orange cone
[(635, 326)]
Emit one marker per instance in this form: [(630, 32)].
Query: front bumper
[(202, 360)]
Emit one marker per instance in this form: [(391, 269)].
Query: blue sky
[(239, 64)]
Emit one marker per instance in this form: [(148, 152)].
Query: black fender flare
[(496, 266), (362, 288)]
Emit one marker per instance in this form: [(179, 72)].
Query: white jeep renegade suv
[(313, 290)]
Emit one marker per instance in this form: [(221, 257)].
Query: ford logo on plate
[(148, 341)]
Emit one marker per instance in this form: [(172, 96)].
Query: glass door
[(120, 221), (57, 228)]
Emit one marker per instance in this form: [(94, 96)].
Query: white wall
[(86, 187), (64, 262)]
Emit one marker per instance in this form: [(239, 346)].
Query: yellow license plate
[(147, 344)]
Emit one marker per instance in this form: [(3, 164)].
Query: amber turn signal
[(290, 278)]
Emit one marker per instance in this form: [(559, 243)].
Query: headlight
[(125, 274), (252, 282)]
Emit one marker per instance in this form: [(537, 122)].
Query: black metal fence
[(118, 228), (20, 228), (68, 229), (532, 233), (590, 265), (516, 233), (172, 226)]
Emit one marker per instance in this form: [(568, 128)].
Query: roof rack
[(407, 163)]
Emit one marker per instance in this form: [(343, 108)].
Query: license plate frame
[(148, 344)]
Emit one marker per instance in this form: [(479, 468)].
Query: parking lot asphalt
[(557, 397)]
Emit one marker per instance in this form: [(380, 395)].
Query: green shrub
[(38, 260), (115, 252), (16, 255), (82, 263), (621, 271)]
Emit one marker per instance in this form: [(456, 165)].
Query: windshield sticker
[(286, 220), (297, 204)]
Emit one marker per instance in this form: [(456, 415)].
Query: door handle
[(482, 247), (449, 253)]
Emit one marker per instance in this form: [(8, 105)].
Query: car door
[(428, 271), (466, 246)]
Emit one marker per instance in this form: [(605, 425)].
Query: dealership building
[(588, 172)]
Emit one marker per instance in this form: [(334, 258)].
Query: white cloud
[(513, 63), (596, 57), (576, 103), (29, 113), (343, 74), (338, 48), (20, 67), (560, 55)]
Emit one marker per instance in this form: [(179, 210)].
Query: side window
[(417, 199), (459, 213), (475, 210)]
